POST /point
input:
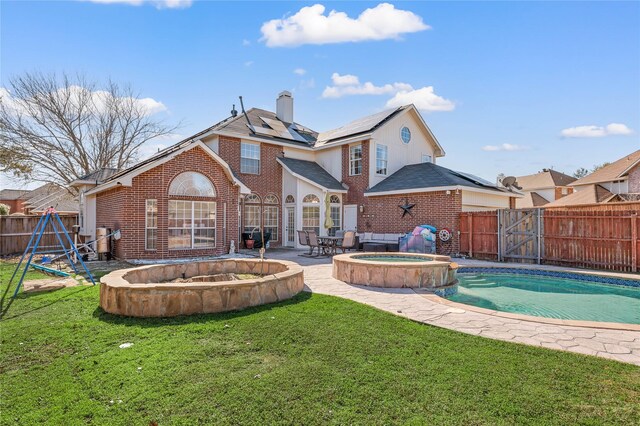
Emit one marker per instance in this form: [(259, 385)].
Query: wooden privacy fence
[(15, 232), (588, 238)]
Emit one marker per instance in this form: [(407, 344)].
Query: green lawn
[(312, 360)]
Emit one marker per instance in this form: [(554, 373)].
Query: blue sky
[(507, 79)]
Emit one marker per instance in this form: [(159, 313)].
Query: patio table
[(329, 244)]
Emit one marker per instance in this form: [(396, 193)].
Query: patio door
[(290, 227)]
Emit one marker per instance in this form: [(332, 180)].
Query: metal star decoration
[(406, 208)]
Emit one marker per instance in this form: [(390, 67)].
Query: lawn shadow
[(24, 296), (101, 315)]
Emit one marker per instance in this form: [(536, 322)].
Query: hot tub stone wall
[(436, 273), (140, 292)]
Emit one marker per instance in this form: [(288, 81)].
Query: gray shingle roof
[(427, 175), (14, 194), (312, 171), (99, 175)]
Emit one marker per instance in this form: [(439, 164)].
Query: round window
[(405, 134)]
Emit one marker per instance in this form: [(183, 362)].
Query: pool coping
[(554, 321)]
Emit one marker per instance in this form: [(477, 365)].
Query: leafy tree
[(59, 129), (580, 173), (4, 210)]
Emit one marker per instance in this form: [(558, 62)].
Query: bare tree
[(59, 129), (580, 173)]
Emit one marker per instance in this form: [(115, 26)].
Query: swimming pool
[(550, 294)]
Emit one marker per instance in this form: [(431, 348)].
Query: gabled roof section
[(51, 195), (356, 127), (126, 177), (592, 194), (311, 172), (545, 179), (532, 199), (614, 171), (430, 177)]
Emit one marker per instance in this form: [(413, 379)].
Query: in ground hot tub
[(425, 271), (199, 287)]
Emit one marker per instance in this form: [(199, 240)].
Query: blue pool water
[(549, 296)]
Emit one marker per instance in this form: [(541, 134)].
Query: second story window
[(355, 160), (426, 158), (381, 159), (250, 158)]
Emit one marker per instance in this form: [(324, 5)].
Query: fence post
[(634, 242), (499, 242), (470, 220)]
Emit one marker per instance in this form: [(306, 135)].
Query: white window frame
[(353, 162), (426, 158), (192, 228), (146, 224), (333, 205), (382, 163), (247, 152), (270, 206)]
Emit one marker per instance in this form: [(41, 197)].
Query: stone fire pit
[(146, 292)]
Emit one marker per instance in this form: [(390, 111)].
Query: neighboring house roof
[(311, 172), (532, 199), (614, 171), (14, 194), (418, 177), (51, 195), (592, 194), (545, 179)]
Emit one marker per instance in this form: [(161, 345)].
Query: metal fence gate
[(520, 235)]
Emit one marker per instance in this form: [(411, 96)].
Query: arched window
[(192, 224), (271, 199), (336, 214), (251, 212), (192, 184), (289, 199), (311, 198), (271, 216), (252, 199)]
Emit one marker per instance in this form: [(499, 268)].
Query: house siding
[(124, 208), (634, 180)]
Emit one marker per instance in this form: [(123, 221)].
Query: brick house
[(261, 169), (616, 182), (542, 188)]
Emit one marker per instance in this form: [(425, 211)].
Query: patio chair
[(303, 240), (314, 243), (340, 234), (348, 241)]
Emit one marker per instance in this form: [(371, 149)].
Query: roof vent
[(284, 107), (234, 112)]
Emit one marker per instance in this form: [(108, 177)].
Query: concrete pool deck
[(620, 345)]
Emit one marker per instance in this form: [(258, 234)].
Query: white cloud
[(248, 63), (425, 98), (311, 26), (596, 131), (345, 85), (152, 146), (300, 71), (158, 4), (505, 147), (246, 42), (99, 98)]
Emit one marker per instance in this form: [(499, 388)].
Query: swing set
[(49, 217)]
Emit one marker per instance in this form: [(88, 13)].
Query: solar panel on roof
[(474, 178), (358, 126)]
